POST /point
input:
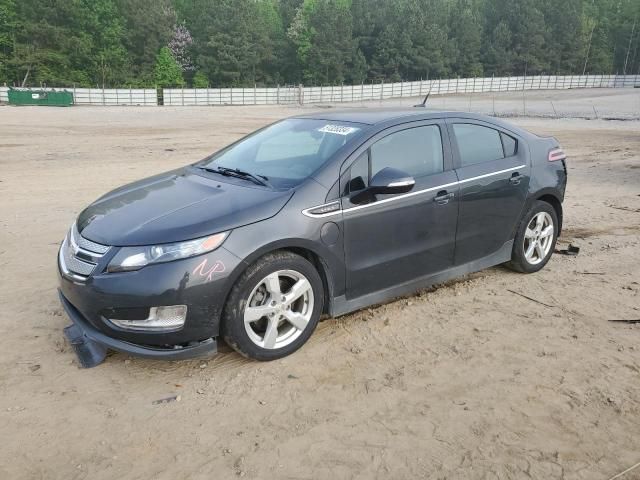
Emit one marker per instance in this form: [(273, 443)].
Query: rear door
[(392, 239), (493, 173)]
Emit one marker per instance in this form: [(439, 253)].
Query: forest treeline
[(267, 42)]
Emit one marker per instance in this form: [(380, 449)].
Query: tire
[(522, 258), (274, 307)]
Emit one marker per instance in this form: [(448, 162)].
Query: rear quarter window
[(510, 145)]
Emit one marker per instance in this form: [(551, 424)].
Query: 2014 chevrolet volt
[(322, 213)]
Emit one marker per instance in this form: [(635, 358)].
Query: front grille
[(74, 264), (86, 244), (79, 256)]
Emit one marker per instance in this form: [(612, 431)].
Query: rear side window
[(477, 144), (510, 145), (416, 151)]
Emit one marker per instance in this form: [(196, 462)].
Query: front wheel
[(535, 239), (274, 307)]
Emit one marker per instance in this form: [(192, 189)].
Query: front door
[(393, 239), (493, 174)]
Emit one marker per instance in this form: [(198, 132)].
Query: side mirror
[(391, 180)]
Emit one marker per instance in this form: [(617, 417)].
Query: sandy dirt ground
[(468, 380)]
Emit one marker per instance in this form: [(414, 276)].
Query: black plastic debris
[(90, 353), (571, 250), (637, 320)]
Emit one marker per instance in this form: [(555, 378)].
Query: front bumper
[(192, 282), (91, 345)]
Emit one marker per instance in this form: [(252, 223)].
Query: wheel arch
[(548, 195), (300, 247), (552, 198), (323, 269)]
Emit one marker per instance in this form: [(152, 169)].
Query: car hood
[(175, 206)]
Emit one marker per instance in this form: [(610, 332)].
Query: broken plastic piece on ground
[(90, 353), (626, 321), (173, 398), (570, 250)]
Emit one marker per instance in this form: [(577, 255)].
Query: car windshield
[(287, 152)]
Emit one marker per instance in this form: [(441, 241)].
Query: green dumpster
[(57, 98)]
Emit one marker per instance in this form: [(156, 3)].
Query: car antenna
[(424, 102)]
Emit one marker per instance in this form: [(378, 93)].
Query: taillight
[(557, 154)]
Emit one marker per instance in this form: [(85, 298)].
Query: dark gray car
[(323, 213)]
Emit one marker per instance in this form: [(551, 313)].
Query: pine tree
[(167, 72), (200, 80), (498, 57), (8, 23), (148, 25), (466, 30), (247, 42), (321, 31)]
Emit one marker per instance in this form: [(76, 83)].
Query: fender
[(330, 270), (556, 193)]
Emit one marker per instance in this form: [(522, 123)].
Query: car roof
[(373, 116), (387, 116)]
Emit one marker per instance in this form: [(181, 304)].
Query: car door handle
[(443, 197), (515, 178)]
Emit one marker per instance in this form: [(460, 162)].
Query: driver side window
[(416, 151)]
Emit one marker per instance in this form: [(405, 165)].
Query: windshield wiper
[(236, 172)]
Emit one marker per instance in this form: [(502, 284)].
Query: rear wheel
[(535, 239), (274, 307)]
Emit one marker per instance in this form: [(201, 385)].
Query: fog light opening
[(160, 319)]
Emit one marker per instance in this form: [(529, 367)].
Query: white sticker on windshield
[(337, 129)]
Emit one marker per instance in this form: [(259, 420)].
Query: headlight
[(134, 258)]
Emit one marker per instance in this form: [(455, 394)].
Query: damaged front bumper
[(101, 303), (91, 345)]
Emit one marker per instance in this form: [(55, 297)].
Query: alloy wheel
[(279, 309), (538, 238)]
